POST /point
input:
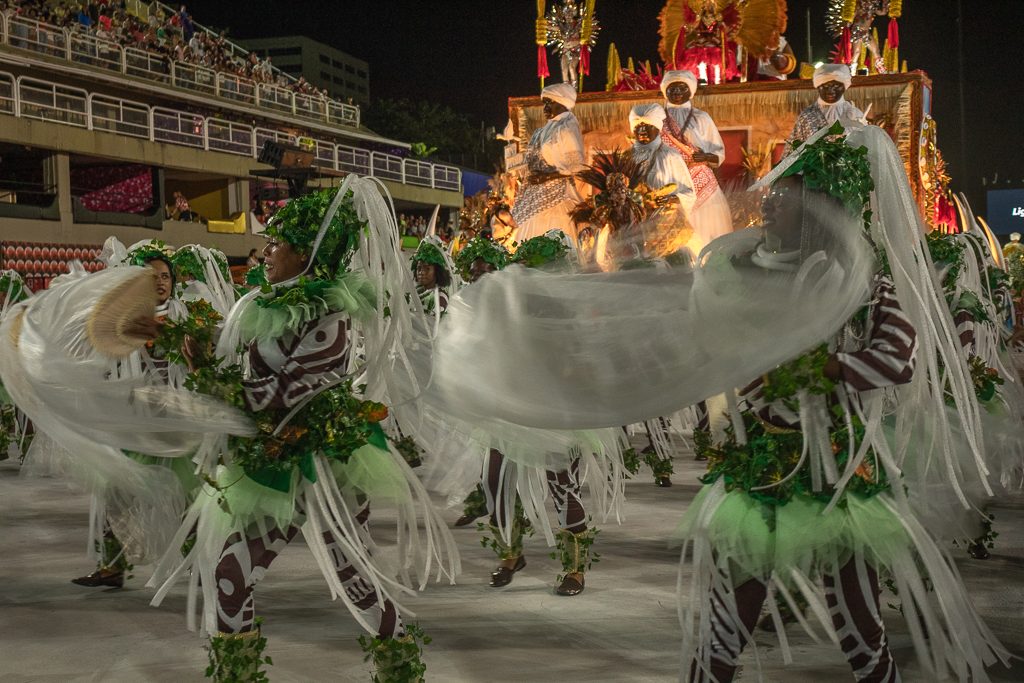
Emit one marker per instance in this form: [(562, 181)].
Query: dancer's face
[(678, 93), (426, 274), (282, 261), (782, 211), (479, 268), (831, 92), (552, 108), (645, 133), (163, 280)]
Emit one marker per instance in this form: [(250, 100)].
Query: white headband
[(832, 72), (651, 113), (671, 77), (563, 93)]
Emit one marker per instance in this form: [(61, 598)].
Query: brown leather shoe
[(502, 576), (101, 577), (571, 586)]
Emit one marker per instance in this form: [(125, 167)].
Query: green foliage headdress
[(428, 252), (832, 167), (142, 254), (480, 248), (189, 265), (541, 250), (298, 223), (12, 287)]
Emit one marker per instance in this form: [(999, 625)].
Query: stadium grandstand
[(132, 119)]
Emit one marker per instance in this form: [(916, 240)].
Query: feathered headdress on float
[(621, 196)]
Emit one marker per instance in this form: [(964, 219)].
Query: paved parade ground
[(624, 627)]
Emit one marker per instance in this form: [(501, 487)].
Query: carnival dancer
[(694, 134), (831, 81), (15, 429), (554, 154), (508, 521), (114, 531), (477, 258), (826, 498), (977, 293), (316, 341), (433, 270)]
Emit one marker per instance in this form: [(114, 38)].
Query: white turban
[(671, 77), (651, 113), (563, 93), (832, 72)]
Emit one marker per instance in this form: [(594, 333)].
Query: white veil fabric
[(554, 353), (60, 381)]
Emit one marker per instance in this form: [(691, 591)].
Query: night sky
[(473, 55)]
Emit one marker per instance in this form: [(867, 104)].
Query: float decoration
[(572, 30), (703, 35)]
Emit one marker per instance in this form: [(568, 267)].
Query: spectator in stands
[(253, 259), (185, 21), (182, 210)]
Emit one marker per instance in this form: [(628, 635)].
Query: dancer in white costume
[(665, 164), (554, 155), (694, 134), (831, 81)]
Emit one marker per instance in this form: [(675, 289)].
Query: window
[(338, 80), (325, 77), (350, 69), (362, 73), (362, 89), (324, 59)]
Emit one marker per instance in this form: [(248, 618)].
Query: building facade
[(342, 75)]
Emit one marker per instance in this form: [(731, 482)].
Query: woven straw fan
[(134, 298)]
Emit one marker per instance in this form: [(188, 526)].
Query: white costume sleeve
[(705, 135), (668, 166), (564, 147)]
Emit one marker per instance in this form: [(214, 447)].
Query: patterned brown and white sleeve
[(299, 366), (888, 357)]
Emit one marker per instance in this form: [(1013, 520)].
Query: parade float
[(750, 84)]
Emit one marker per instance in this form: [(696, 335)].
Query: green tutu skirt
[(761, 539)]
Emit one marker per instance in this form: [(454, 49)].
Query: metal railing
[(78, 47), (52, 102), (36, 99), (119, 116), (8, 94), (227, 136), (178, 128)]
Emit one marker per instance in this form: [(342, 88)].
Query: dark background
[(473, 55)]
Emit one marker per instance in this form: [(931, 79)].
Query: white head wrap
[(671, 77), (563, 93), (833, 72), (651, 113)]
